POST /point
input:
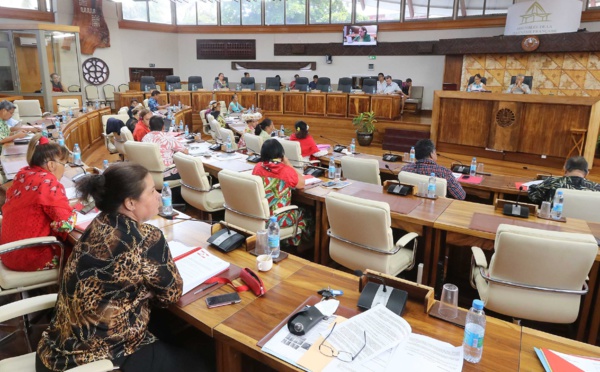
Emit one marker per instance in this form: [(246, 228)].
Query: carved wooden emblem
[(505, 117), (530, 43), (93, 31), (95, 71)]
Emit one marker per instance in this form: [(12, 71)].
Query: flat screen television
[(358, 35)]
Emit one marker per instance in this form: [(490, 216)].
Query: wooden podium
[(527, 128)]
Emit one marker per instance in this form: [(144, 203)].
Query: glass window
[(160, 11), (367, 10), (28, 63), (230, 12), (6, 73), (415, 9), (251, 13), (21, 4), (295, 12), (341, 11), (593, 3), (207, 13), (274, 13), (441, 8), (135, 10), (186, 13), (319, 11), (470, 8), (62, 57), (389, 10), (497, 6)]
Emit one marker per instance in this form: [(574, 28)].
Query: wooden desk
[(386, 106), (184, 97), (337, 104), (531, 338), (316, 104), (293, 103), (358, 103), (200, 100), (470, 123), (247, 99), (270, 102), (239, 333), (162, 98), (452, 227), (195, 233), (124, 99)]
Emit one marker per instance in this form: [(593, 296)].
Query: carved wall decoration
[(505, 117), (95, 71), (93, 31)]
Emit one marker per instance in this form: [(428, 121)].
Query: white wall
[(131, 48)]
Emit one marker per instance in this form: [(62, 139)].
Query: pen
[(205, 288)]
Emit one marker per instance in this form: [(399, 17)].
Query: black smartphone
[(222, 300)]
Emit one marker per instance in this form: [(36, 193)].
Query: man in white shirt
[(392, 88), (380, 83), (519, 87)]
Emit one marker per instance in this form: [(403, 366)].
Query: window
[(186, 13), (470, 8), (497, 6), (230, 12), (593, 4), (207, 13), (319, 11), (295, 12), (251, 13), (160, 11), (441, 8), (415, 9), (389, 11), (341, 11), (135, 11), (21, 4), (367, 9), (274, 13)]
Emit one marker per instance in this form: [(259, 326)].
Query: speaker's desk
[(453, 227)]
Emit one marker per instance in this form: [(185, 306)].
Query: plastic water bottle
[(353, 146), (187, 131), (104, 164), (228, 145), (44, 130), (57, 124), (273, 237), (84, 108), (412, 154), (262, 87), (181, 125), (179, 105), (282, 132), (329, 89), (473, 170), (76, 154), (331, 170), (431, 186), (193, 87), (474, 333), (70, 112), (252, 108), (237, 87), (167, 200), (96, 105), (61, 138), (64, 119), (557, 205)]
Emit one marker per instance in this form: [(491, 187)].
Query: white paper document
[(290, 348), (583, 363), (383, 328), (536, 182), (422, 353)]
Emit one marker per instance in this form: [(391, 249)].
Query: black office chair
[(323, 84), (302, 84), (526, 79), (195, 82), (345, 84), (369, 86), (472, 80), (248, 83), (398, 81), (147, 83), (273, 83), (172, 82)]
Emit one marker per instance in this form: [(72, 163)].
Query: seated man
[(153, 104), (407, 87), (519, 87), (425, 164), (168, 144), (381, 83), (313, 84), (390, 87), (576, 168)]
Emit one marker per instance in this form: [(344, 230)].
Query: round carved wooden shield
[(505, 117), (530, 43), (95, 71)]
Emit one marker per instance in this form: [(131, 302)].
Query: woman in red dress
[(308, 146), (36, 205)]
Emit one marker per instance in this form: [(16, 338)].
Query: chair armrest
[(27, 306), (284, 209), (479, 258), (403, 241), (104, 365), (26, 243)]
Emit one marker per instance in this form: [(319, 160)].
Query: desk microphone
[(460, 168), (391, 157), (398, 188), (516, 209), (540, 176), (337, 147), (390, 169), (360, 274)]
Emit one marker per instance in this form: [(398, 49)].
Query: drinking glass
[(545, 209), (422, 188), (480, 168), (449, 301), (261, 243), (338, 173)]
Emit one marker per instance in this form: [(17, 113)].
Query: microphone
[(516, 209), (540, 176), (336, 147), (460, 168), (390, 169), (360, 274), (391, 157)]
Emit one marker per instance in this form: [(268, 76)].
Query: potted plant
[(365, 127)]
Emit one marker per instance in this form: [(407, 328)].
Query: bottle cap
[(165, 184), (432, 174), (273, 219), (478, 304), (559, 192)]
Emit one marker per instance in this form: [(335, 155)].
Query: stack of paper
[(554, 361)]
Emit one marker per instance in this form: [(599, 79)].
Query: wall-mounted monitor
[(357, 35)]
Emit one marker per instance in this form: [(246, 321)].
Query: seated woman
[(56, 83), (477, 85), (36, 205), (251, 123), (168, 144), (308, 146), (235, 106), (220, 83), (118, 268), (143, 125), (279, 177), (7, 109), (134, 119), (264, 129)]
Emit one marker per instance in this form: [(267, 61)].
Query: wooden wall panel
[(337, 104), (465, 122), (200, 100), (271, 102), (184, 97), (294, 103), (453, 69), (358, 103), (316, 104), (505, 127), (247, 99)]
